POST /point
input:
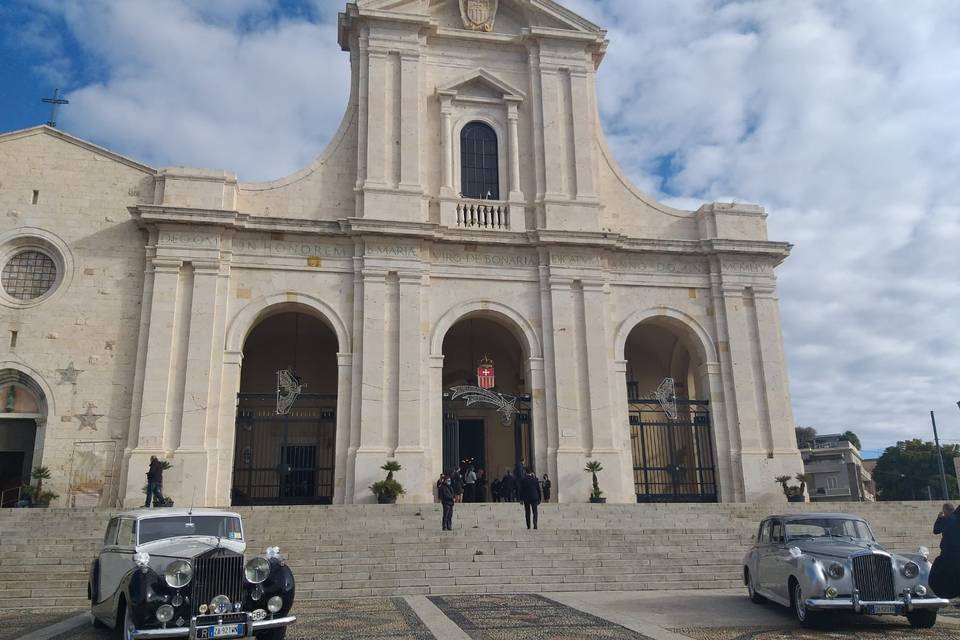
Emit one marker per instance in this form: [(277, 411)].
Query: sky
[(840, 117)]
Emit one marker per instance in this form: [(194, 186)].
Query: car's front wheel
[(807, 618), (755, 597), (124, 627), (922, 618)]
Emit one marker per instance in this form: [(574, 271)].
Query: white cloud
[(841, 120)]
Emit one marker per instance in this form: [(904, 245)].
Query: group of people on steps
[(469, 485)]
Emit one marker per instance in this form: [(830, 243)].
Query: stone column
[(572, 485), (226, 428), (344, 378), (153, 433), (372, 452), (410, 448), (410, 120), (191, 455), (377, 113), (622, 441), (435, 418), (513, 118), (584, 125), (553, 142), (447, 189), (538, 414)]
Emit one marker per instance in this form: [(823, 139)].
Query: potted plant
[(793, 493), (594, 467), (388, 490), (39, 497)]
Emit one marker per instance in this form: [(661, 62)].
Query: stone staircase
[(373, 550)]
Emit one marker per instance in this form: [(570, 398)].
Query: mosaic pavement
[(526, 617), (380, 619), (860, 632), (16, 624)]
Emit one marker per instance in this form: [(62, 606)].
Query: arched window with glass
[(479, 162)]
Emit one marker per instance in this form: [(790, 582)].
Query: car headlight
[(257, 570), (164, 614), (836, 571), (178, 574), (141, 559), (274, 604), (910, 570)]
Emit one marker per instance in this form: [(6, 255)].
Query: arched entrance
[(486, 390), (23, 411), (668, 407), (285, 445)]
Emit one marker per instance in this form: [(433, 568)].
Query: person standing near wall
[(446, 502), (154, 481), (529, 492), (470, 485), (547, 485)]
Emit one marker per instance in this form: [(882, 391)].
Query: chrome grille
[(218, 572), (227, 618), (873, 577)]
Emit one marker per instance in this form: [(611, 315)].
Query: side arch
[(685, 324), (514, 321), (265, 306), (17, 372)]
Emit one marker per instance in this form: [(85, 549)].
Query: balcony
[(479, 215)]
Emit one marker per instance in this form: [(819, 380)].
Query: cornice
[(153, 215)]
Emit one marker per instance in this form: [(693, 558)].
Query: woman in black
[(547, 485), (446, 501), (945, 574)]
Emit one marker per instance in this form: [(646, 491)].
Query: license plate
[(221, 631), (881, 609)]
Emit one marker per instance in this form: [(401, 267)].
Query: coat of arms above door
[(479, 15)]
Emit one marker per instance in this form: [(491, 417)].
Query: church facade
[(465, 276)]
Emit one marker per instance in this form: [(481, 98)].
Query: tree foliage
[(852, 438), (805, 436), (905, 471)]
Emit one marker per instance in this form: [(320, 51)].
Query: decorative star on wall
[(69, 375), (88, 419)]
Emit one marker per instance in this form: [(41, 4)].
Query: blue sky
[(842, 122)]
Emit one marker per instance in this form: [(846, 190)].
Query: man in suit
[(446, 500), (529, 492)]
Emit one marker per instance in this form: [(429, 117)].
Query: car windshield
[(182, 526), (828, 528)]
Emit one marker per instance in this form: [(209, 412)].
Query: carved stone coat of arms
[(479, 15)]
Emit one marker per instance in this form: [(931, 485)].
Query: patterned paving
[(526, 617), (379, 619), (860, 632), (16, 624)]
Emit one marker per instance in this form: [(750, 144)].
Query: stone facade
[(167, 272)]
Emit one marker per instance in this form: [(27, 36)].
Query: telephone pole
[(936, 439)]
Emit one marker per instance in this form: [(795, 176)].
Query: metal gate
[(673, 459), (284, 459)]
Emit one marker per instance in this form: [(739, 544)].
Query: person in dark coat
[(456, 481), (469, 485), (495, 489), (154, 481), (480, 493), (446, 501), (507, 487), (945, 574), (519, 472), (529, 492), (547, 485)]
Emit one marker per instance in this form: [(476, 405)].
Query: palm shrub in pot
[(387, 490), (41, 498), (793, 493), (594, 467)]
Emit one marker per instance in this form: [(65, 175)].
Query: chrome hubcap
[(798, 603)]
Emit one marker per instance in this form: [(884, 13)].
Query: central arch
[(460, 340)]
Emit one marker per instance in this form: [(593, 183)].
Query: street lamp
[(936, 439)]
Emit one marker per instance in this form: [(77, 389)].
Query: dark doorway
[(472, 442), (11, 475)]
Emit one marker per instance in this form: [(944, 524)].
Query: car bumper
[(899, 607), (184, 632)]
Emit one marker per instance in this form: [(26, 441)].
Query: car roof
[(816, 516), (143, 514)]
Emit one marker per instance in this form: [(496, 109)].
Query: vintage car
[(178, 573), (816, 563)]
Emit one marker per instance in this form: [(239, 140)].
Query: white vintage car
[(177, 573), (816, 563)]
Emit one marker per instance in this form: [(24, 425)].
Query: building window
[(28, 275), (479, 162)]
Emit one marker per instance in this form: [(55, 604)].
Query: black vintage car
[(176, 573)]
